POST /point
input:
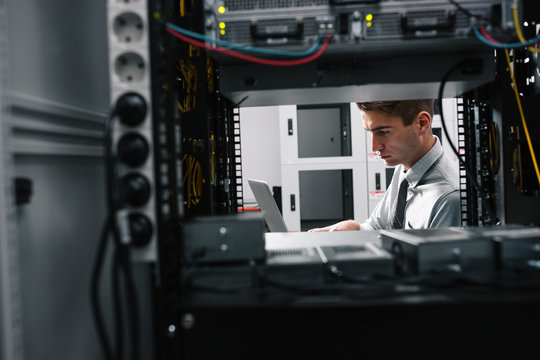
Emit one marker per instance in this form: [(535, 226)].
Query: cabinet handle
[(290, 127)]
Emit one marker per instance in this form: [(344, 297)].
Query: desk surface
[(276, 240)]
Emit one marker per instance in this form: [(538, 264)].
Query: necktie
[(397, 222)]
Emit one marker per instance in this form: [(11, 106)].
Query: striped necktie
[(397, 222)]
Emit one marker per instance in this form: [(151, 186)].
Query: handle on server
[(267, 31)]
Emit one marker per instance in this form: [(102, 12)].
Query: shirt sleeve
[(377, 219), (447, 211)]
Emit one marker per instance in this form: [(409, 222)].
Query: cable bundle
[(117, 224), (227, 48)]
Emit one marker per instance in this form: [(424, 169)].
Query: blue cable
[(243, 47), (507, 45)]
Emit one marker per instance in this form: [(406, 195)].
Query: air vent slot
[(286, 253), (345, 249)]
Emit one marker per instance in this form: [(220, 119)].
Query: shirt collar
[(417, 171)]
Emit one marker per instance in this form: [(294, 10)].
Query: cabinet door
[(318, 190)]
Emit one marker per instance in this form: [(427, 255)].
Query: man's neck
[(427, 144)]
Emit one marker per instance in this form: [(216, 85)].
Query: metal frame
[(11, 337)]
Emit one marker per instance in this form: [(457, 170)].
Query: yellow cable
[(518, 28), (525, 129)]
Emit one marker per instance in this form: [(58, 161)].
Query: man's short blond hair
[(405, 109)]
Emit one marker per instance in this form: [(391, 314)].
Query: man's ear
[(424, 120)]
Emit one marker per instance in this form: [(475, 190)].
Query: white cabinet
[(312, 185)]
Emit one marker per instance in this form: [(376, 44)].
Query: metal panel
[(58, 232), (11, 340), (58, 96), (58, 52)]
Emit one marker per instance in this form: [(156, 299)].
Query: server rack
[(198, 164)]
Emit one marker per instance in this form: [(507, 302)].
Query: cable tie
[(123, 226)]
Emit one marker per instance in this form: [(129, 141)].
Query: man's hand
[(345, 225)]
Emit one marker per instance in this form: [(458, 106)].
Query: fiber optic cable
[(518, 26), (252, 58), (483, 36), (525, 129), (499, 45), (231, 45), (487, 36)]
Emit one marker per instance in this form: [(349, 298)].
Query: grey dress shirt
[(432, 198)]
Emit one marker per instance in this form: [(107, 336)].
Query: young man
[(429, 197)]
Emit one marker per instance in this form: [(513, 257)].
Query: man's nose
[(375, 144)]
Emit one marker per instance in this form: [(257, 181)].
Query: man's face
[(393, 141)]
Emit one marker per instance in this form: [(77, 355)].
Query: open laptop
[(268, 205)]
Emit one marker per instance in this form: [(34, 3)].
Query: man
[(401, 134)]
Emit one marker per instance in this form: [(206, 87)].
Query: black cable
[(112, 201), (472, 63), (468, 13), (132, 303), (117, 306), (108, 226), (121, 258), (94, 292)]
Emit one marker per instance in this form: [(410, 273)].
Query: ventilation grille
[(236, 5), (286, 253), (388, 24), (346, 249)]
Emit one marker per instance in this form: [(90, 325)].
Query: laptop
[(268, 205)]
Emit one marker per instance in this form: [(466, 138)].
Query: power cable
[(94, 292), (231, 45), (250, 58), (117, 224)]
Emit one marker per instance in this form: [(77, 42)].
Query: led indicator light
[(222, 25), (221, 9), (369, 17), (369, 24), (222, 32)]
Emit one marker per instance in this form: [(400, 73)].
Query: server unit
[(353, 24), (376, 50)]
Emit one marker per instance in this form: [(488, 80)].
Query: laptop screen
[(268, 205)]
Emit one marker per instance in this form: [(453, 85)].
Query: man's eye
[(383, 132)]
